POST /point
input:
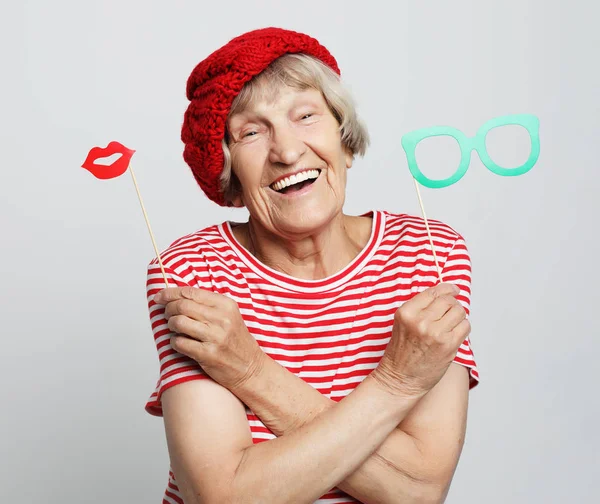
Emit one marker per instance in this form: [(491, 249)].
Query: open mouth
[(295, 183)]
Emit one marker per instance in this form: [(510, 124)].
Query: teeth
[(294, 179)]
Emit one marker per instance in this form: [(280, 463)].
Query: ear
[(349, 157), (237, 201)]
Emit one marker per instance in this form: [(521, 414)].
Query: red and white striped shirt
[(330, 332)]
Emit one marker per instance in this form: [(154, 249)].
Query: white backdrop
[(78, 359)]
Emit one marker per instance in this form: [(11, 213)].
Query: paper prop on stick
[(409, 143), (116, 169)]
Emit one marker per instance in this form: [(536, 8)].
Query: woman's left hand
[(209, 328)]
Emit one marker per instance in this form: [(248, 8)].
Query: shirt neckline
[(289, 282)]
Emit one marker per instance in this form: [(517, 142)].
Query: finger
[(166, 295), (461, 331), (428, 296), (203, 296), (180, 324), (191, 309), (174, 293), (186, 346), (439, 307), (452, 318)]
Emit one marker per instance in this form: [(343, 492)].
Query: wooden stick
[(137, 189), (428, 231)]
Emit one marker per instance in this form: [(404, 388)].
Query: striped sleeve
[(457, 270), (175, 368)]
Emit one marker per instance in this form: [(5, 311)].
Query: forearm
[(283, 401), (309, 461), (393, 473)]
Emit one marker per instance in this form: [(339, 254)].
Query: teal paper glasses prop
[(467, 145), (409, 143)]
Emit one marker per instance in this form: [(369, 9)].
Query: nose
[(286, 148)]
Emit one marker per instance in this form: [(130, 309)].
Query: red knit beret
[(214, 84)]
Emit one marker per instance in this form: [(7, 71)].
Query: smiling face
[(287, 154)]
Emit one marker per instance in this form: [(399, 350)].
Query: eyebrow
[(300, 100)]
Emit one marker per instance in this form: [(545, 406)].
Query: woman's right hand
[(428, 330)]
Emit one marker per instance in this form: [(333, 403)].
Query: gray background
[(78, 358)]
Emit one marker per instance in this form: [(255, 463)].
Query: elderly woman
[(306, 355)]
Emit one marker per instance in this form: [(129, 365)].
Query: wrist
[(391, 407), (397, 384), (253, 374)]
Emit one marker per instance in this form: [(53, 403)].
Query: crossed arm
[(377, 447)]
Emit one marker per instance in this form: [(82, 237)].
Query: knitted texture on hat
[(215, 82)]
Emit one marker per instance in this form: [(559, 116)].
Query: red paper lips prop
[(113, 170)]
